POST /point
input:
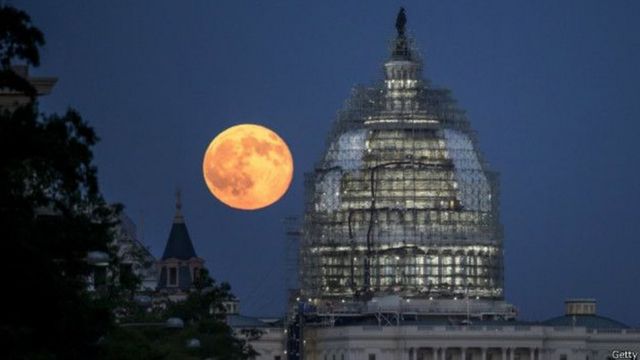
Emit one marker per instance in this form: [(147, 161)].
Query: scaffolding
[(401, 202)]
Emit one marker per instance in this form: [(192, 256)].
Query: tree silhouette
[(19, 40), (51, 215)]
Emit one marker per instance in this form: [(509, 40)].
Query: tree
[(204, 318), (51, 214), (204, 313), (18, 40)]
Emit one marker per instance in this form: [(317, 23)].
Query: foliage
[(157, 342), (18, 40), (206, 301), (203, 314), (52, 215)]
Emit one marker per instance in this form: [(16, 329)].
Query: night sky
[(551, 87)]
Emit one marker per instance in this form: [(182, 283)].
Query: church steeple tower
[(179, 265), (179, 245), (178, 218)]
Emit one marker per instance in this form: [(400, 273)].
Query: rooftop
[(179, 245)]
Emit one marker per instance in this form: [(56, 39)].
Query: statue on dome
[(401, 21)]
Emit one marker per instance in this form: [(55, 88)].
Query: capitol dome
[(402, 201)]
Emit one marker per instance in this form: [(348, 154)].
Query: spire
[(178, 218), (401, 50), (179, 245)]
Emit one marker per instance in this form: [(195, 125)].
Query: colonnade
[(475, 353)]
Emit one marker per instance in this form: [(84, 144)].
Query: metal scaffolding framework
[(402, 201)]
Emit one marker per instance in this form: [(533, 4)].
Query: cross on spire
[(178, 217)]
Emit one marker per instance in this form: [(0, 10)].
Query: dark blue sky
[(551, 88)]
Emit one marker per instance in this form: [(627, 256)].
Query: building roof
[(588, 321), (241, 321), (430, 320), (179, 245)]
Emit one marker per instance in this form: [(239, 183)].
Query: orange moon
[(248, 167)]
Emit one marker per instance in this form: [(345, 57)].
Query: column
[(531, 353), (434, 353), (484, 353), (504, 357), (512, 353), (463, 353)]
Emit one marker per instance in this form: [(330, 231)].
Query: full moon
[(248, 167)]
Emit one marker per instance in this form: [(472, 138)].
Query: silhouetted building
[(135, 257), (179, 266)]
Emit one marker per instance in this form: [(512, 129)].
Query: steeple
[(178, 218), (179, 266), (179, 244)]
